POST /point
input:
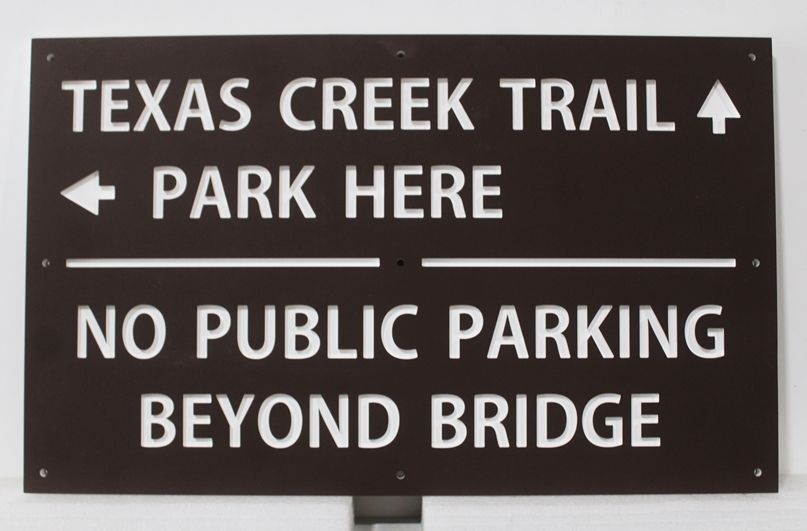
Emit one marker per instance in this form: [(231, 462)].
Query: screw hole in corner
[(755, 262), (757, 472), (752, 57), (400, 54), (43, 473), (400, 262), (400, 475), (45, 263), (50, 57)]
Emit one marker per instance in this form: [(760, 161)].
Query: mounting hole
[(400, 54), (752, 57), (757, 472), (755, 262), (400, 262), (43, 472), (400, 475), (50, 57), (45, 263)]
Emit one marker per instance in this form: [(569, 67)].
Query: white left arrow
[(88, 192), (718, 106)]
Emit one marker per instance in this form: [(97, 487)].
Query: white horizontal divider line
[(581, 262), (218, 263)]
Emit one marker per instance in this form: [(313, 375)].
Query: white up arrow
[(88, 192), (718, 106)]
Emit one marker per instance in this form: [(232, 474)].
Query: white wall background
[(783, 20)]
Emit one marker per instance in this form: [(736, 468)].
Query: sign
[(401, 265)]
